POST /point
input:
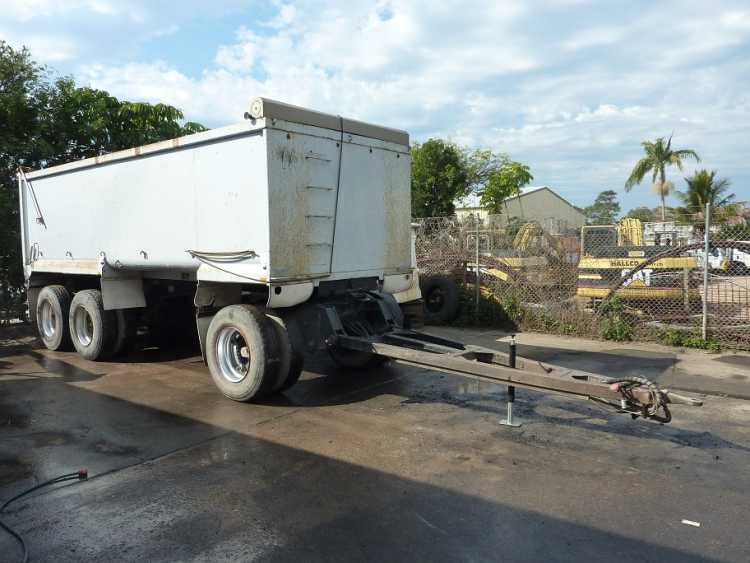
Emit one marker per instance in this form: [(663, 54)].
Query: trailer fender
[(289, 294), (209, 299)]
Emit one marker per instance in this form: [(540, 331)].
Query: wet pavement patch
[(741, 361), (13, 469), (114, 449)]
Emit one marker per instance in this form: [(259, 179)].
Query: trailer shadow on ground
[(168, 487)]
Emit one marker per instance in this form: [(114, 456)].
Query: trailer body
[(288, 203)]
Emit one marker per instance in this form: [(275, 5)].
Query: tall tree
[(439, 176), (604, 210), (503, 183), (46, 121), (659, 155), (704, 187), (481, 164)]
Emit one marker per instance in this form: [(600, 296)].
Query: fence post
[(476, 268), (706, 238)]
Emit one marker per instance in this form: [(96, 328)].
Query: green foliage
[(615, 324), (512, 307), (659, 155), (439, 176), (442, 172), (703, 188), (604, 210), (480, 165), (734, 232), (674, 337), (44, 122), (503, 183), (645, 214)]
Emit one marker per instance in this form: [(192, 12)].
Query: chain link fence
[(626, 281)]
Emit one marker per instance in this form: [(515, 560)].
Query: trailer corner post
[(706, 241), (509, 420)]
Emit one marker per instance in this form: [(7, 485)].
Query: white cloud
[(595, 37)]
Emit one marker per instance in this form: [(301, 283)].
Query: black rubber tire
[(259, 335), (59, 300), (292, 360), (126, 332), (103, 326), (441, 302)]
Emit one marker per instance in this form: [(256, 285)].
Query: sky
[(569, 87)]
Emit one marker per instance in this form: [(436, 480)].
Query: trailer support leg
[(509, 421)]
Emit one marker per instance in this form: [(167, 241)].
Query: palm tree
[(659, 155), (704, 187)]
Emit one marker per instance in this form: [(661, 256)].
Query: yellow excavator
[(534, 254), (610, 252)]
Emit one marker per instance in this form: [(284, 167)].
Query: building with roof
[(540, 204)]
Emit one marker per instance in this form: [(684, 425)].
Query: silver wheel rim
[(233, 354), (83, 326), (48, 320)]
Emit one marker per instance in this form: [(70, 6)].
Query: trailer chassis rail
[(635, 396)]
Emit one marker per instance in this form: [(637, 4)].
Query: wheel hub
[(83, 326), (48, 321), (233, 354)]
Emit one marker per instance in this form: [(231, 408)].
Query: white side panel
[(148, 211), (374, 211)]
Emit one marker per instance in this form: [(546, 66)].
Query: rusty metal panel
[(331, 221)]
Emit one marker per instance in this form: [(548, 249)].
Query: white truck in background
[(274, 233)]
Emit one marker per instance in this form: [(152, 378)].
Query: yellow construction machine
[(535, 256), (611, 253)]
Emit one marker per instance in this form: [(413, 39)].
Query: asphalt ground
[(390, 464)]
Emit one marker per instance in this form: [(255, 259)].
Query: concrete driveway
[(391, 464)]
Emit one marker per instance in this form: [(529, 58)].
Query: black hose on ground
[(77, 476)]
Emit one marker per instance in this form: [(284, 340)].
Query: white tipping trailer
[(280, 236), (250, 222)]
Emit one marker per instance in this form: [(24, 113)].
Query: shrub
[(616, 324), (675, 337)]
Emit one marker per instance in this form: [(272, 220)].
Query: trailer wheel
[(440, 295), (292, 360), (126, 331), (242, 352), (92, 329), (52, 309)]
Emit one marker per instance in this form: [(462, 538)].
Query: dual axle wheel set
[(248, 350)]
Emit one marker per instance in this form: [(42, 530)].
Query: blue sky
[(569, 87)]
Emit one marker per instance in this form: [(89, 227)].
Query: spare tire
[(440, 294)]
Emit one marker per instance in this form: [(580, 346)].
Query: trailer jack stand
[(509, 421)]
